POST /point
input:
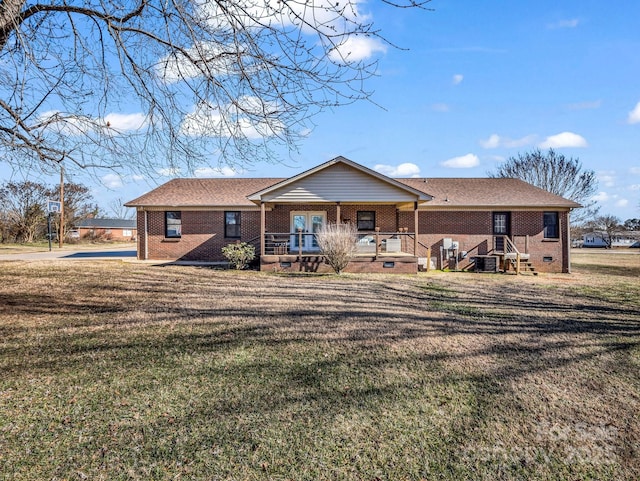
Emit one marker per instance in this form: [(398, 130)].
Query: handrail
[(510, 247)]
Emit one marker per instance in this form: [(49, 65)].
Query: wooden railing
[(373, 242), (507, 249)]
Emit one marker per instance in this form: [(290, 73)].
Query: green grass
[(123, 371)]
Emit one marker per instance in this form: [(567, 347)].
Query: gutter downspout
[(146, 235), (568, 241)]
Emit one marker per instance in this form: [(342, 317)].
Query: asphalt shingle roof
[(446, 192), (490, 192), (107, 223)]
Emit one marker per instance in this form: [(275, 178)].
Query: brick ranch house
[(110, 229), (458, 223)]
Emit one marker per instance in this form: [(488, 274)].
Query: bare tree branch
[(176, 83)]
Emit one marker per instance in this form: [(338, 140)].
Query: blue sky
[(482, 81)]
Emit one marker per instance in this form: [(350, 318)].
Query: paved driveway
[(108, 252)]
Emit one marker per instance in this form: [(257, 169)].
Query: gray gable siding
[(339, 183)]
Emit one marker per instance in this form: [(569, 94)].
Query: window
[(173, 224), (232, 224), (501, 223), (551, 229), (366, 220)]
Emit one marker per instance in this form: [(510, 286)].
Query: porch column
[(263, 224), (567, 246), (415, 228), (337, 212)]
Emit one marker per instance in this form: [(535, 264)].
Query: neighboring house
[(599, 239), (456, 223), (109, 229)]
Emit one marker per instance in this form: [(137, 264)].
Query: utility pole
[(61, 228)]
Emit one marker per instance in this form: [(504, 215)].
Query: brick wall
[(202, 235), (474, 232), (203, 232)]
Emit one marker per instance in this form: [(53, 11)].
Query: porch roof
[(340, 180)]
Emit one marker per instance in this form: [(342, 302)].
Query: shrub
[(239, 254), (338, 244)]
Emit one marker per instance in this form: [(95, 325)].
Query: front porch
[(374, 252)]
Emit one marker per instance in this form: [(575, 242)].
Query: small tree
[(239, 255), (557, 174), (607, 226), (338, 244)]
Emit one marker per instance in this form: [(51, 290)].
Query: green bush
[(239, 254)]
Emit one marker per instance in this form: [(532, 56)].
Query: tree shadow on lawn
[(243, 365)]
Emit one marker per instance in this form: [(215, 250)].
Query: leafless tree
[(557, 174), (23, 206), (607, 226), (179, 84), (337, 243), (119, 211)]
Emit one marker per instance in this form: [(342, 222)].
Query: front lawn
[(114, 371)]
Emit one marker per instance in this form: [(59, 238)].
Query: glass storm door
[(309, 223)]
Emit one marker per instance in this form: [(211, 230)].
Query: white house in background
[(598, 239)]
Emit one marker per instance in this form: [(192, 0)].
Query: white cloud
[(112, 123), (355, 49), (569, 23), (406, 169), (111, 181), (236, 121), (137, 177), (440, 108), (588, 105), (634, 115), (608, 178), (169, 172), (457, 79), (215, 172), (125, 122), (635, 170), (622, 203), (601, 197), (563, 139), (494, 141), (634, 187), (462, 162)]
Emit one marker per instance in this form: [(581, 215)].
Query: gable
[(339, 182)]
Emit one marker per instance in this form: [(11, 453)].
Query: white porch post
[(415, 228), (337, 212), (263, 224)]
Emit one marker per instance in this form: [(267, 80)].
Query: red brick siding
[(311, 263), (203, 232), (202, 235), (101, 233), (474, 232)]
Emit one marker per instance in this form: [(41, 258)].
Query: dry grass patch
[(123, 371)]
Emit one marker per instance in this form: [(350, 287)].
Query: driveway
[(73, 253)]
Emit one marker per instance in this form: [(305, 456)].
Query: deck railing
[(369, 242)]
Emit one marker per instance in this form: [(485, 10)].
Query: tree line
[(23, 209)]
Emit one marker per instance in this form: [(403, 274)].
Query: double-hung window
[(366, 220), (232, 224), (551, 227), (173, 224)]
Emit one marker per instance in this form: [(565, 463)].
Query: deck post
[(338, 221), (377, 241), (299, 245), (428, 258), (518, 264), (263, 225), (415, 229)]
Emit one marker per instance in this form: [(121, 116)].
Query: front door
[(309, 223)]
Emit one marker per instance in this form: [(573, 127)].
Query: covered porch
[(339, 191)]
